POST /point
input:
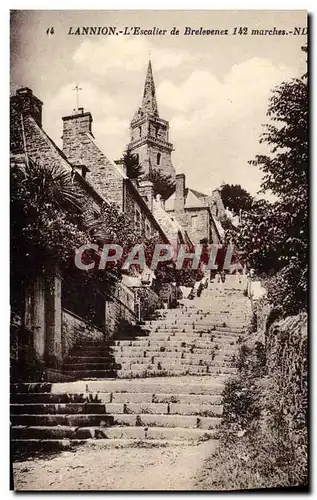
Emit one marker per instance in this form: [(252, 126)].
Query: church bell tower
[(149, 135)]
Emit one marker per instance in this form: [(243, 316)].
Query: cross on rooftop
[(77, 88)]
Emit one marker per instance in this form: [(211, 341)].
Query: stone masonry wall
[(81, 149), (74, 329), (121, 308), (195, 222)]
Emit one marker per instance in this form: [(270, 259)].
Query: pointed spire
[(149, 103)]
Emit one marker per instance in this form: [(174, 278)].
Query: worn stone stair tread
[(175, 385), (154, 408), (102, 421), (106, 366), (115, 397), (40, 444), (116, 432)]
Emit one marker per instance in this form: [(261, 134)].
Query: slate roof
[(193, 199), (170, 226)]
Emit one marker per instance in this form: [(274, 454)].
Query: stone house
[(197, 213), (83, 153), (46, 310)]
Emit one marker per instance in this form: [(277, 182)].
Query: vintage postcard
[(159, 250)]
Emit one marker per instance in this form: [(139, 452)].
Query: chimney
[(25, 103), (75, 126), (121, 165), (160, 200), (179, 202), (146, 191)]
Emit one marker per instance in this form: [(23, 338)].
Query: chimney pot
[(145, 189), (26, 103), (74, 127), (179, 203)]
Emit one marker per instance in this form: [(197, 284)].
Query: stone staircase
[(163, 386)]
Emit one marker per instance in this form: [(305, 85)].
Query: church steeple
[(149, 135), (149, 103)]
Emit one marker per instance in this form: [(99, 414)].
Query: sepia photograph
[(159, 250)]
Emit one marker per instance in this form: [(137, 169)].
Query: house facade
[(54, 320), (197, 213)]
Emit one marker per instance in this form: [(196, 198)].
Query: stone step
[(182, 337), (83, 359), (190, 323), (203, 319), (115, 397), (190, 334), (91, 374), (79, 409), (178, 366), (61, 398), (79, 426), (137, 354), (100, 434), (187, 342), (169, 349), (185, 328), (214, 385), (31, 446), (57, 408), (125, 361), (106, 365), (91, 352), (208, 330), (187, 359)]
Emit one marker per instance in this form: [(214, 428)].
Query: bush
[(263, 437)]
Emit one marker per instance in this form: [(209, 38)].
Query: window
[(158, 158), (194, 221), (137, 218), (140, 131)]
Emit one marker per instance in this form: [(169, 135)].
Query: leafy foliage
[(131, 162), (45, 210), (162, 184), (263, 436), (273, 237), (235, 197)]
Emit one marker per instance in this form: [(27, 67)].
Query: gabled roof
[(44, 149), (170, 226), (193, 199), (134, 190)]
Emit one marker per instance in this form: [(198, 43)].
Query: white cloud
[(109, 127), (204, 98), (123, 52), (217, 122), (214, 123)]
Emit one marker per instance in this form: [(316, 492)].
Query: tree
[(258, 238), (285, 171), (46, 210), (162, 184), (235, 197), (131, 163)]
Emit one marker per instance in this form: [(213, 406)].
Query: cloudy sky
[(213, 90)]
